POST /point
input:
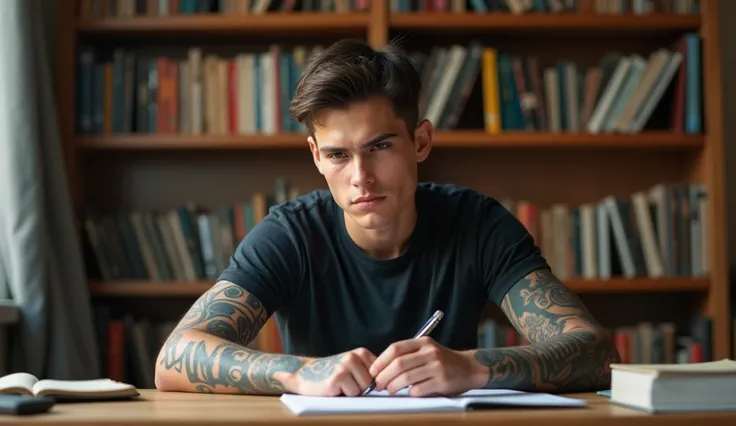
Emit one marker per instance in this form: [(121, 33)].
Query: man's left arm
[(569, 350)]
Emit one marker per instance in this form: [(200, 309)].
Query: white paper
[(512, 398), (382, 402)]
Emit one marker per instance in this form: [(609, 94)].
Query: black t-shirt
[(329, 296)]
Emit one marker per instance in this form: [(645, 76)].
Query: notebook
[(28, 384), (688, 387), (382, 402)]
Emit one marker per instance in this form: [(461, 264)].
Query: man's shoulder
[(314, 205), (448, 198)]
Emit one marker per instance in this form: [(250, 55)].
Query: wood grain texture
[(584, 22), (176, 409), (65, 90), (279, 23), (712, 162), (464, 138), (378, 28)]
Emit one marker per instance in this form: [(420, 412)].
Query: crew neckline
[(397, 262)]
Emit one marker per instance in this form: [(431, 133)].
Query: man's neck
[(388, 242)]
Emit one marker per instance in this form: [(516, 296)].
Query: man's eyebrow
[(372, 141), (378, 139)]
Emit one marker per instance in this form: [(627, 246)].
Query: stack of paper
[(382, 402)]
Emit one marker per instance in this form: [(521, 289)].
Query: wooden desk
[(175, 409)]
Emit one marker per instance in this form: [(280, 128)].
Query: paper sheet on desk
[(381, 402)]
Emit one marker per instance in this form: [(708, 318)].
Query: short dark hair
[(351, 70)]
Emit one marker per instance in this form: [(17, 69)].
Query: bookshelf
[(455, 139), (535, 171)]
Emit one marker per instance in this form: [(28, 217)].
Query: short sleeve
[(507, 250), (266, 263)]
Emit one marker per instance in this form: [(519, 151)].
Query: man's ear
[(315, 152), (423, 136)]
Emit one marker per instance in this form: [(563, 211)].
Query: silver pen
[(424, 331)]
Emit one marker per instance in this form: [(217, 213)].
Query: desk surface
[(175, 409)]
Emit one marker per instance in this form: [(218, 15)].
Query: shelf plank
[(149, 288), (544, 22), (459, 139), (647, 140), (230, 24), (190, 141), (639, 285), (614, 285)]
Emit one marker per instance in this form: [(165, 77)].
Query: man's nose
[(362, 173)]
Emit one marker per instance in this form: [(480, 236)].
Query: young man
[(352, 273)]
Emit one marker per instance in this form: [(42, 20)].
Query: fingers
[(351, 377), (395, 350), (350, 388), (366, 356), (358, 365), (398, 366), (412, 377), (429, 387)]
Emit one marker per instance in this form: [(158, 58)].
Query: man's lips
[(366, 199)]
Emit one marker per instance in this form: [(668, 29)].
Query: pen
[(424, 331)]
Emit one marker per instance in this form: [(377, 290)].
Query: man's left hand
[(428, 367)]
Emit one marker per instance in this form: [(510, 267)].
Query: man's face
[(369, 160)]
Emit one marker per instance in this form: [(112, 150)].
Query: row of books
[(250, 92), (656, 232), (128, 346), (620, 94), (126, 8), (94, 9), (644, 342), (130, 92), (186, 243)]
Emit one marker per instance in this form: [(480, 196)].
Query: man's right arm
[(207, 352)]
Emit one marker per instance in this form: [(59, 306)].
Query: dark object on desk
[(22, 404)]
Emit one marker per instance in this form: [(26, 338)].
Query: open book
[(401, 402), (28, 384)]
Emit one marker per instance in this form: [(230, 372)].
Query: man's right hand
[(342, 374)]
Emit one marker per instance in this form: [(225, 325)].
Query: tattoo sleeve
[(207, 351), (569, 351)]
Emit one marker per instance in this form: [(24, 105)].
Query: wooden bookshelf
[(196, 288), (234, 24), (548, 23), (119, 171), (471, 138)]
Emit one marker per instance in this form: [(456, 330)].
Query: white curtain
[(40, 254)]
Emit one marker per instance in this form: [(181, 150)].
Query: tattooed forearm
[(569, 351), (226, 367), (320, 369), (573, 362), (208, 348)]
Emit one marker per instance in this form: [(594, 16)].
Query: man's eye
[(382, 145), (335, 155)]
